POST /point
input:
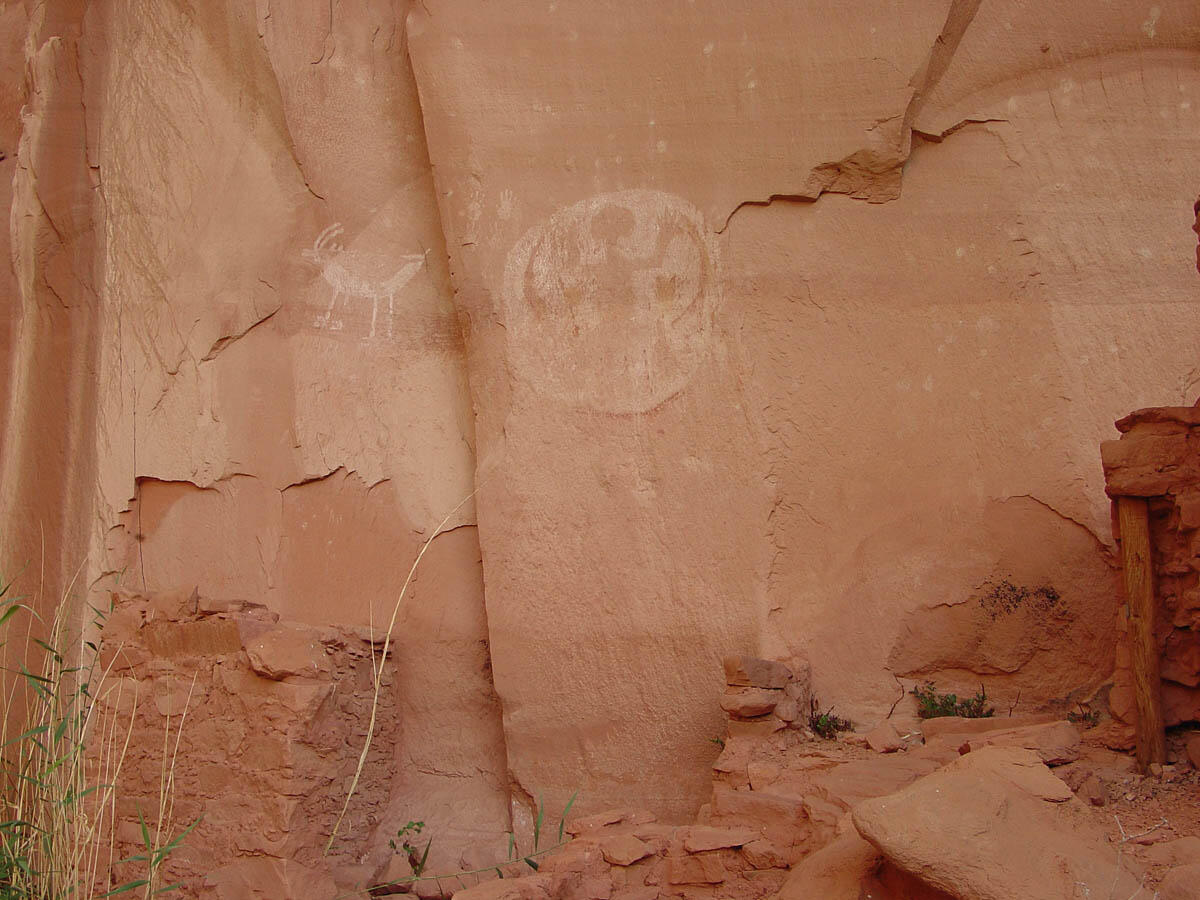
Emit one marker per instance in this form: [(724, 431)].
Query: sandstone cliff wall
[(783, 329)]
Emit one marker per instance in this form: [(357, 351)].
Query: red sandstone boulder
[(780, 819), (701, 868), (850, 868), (835, 872), (994, 825)]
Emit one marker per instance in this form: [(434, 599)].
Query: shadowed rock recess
[(731, 369)]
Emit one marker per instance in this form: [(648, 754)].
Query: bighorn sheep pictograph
[(357, 274)]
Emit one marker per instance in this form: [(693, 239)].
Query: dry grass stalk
[(377, 665)]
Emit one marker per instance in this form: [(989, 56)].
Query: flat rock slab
[(1054, 742), (750, 671), (624, 849), (993, 825), (931, 728), (749, 702), (608, 817), (698, 838), (862, 779), (704, 868)]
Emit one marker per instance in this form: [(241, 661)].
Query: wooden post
[(1133, 518)]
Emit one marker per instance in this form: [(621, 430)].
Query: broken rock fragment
[(286, 651), (699, 838), (624, 849), (883, 738)]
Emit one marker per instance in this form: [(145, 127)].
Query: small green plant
[(720, 742), (416, 860), (933, 705), (1088, 718), (537, 834), (417, 864), (826, 725)]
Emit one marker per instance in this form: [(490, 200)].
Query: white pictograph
[(358, 276), (609, 303)]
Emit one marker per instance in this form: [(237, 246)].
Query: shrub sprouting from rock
[(932, 705)]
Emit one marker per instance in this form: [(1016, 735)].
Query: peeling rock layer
[(771, 330)]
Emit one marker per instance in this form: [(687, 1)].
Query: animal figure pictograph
[(357, 276)]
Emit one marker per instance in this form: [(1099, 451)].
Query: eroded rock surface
[(771, 330)]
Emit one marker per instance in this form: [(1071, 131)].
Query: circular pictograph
[(609, 303)]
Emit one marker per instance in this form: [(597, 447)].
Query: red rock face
[(224, 240), (772, 331), (13, 25), (1196, 228)]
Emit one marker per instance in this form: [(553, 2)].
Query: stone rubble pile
[(972, 809), (1156, 458)]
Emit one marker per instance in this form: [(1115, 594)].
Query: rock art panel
[(593, 314), (722, 406), (920, 380), (240, 449), (612, 300)]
